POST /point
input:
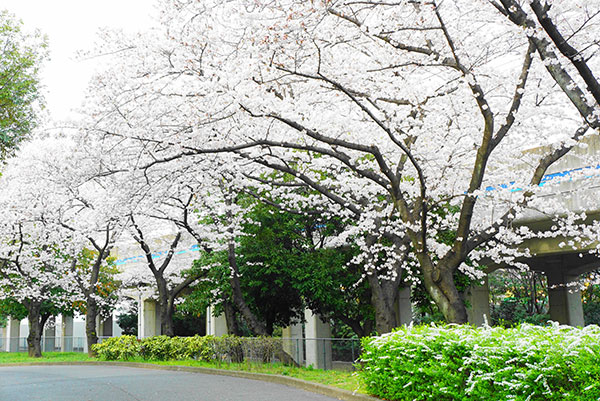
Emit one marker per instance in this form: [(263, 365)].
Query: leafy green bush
[(204, 348), (117, 348), (158, 348), (465, 363)]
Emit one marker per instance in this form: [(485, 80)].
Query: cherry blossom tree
[(169, 277), (49, 185), (405, 118), (35, 254)]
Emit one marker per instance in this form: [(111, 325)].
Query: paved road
[(115, 383)]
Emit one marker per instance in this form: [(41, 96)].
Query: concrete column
[(12, 333), (148, 318), (116, 329), (293, 342), (564, 299), (49, 339), (318, 341), (478, 299), (104, 327), (215, 325), (404, 314), (66, 335)]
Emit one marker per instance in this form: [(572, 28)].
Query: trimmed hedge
[(121, 348), (206, 348), (453, 362)]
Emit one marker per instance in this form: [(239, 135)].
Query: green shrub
[(465, 363), (117, 348), (159, 348), (198, 347), (205, 348)]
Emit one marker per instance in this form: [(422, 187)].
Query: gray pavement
[(115, 383)]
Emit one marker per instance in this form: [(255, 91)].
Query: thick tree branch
[(566, 49)]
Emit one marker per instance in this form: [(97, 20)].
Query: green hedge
[(121, 348), (207, 348), (466, 363)]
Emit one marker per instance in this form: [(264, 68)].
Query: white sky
[(72, 25)]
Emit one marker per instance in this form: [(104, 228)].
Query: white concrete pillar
[(79, 336), (66, 333), (478, 299), (404, 313), (104, 327), (116, 329), (12, 333), (318, 341), (148, 318), (564, 297), (49, 339), (293, 342), (215, 325)]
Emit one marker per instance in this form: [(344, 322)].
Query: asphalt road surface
[(115, 383)]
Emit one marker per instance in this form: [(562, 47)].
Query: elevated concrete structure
[(318, 341), (293, 342), (11, 335), (404, 311), (215, 325), (66, 333), (574, 184), (49, 338), (477, 298), (148, 318)]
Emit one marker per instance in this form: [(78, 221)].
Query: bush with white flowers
[(457, 362)]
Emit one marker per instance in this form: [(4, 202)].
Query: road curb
[(318, 388)]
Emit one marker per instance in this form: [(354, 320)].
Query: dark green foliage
[(10, 307), (465, 363), (20, 58), (285, 267), (128, 323), (189, 324), (591, 304), (518, 297), (511, 312)]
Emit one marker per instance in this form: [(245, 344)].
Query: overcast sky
[(72, 25)]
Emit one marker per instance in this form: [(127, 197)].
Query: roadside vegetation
[(452, 362)]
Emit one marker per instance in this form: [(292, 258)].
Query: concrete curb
[(329, 391)]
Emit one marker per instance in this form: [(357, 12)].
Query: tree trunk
[(230, 316), (90, 325), (439, 283), (256, 326), (238, 298), (165, 306), (383, 298), (36, 327), (167, 326), (358, 329)]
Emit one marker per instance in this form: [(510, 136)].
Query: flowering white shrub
[(465, 363)]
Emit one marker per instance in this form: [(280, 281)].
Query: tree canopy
[(21, 56)]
